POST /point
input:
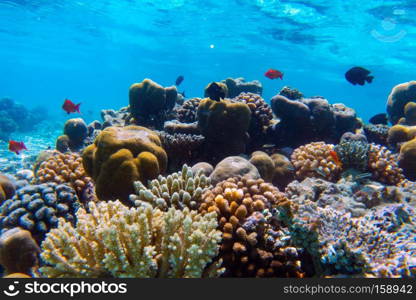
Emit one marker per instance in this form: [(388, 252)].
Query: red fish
[(273, 74), (70, 106), (335, 158), (16, 147)]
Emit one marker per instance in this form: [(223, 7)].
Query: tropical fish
[(273, 74), (320, 172), (379, 119), (362, 176), (358, 75), (16, 147), (335, 158), (179, 80), (70, 107)]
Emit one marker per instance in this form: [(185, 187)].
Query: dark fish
[(183, 94), (358, 75), (179, 80), (379, 119)]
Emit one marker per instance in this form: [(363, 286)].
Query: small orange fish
[(273, 74), (335, 158), (70, 107), (16, 147)]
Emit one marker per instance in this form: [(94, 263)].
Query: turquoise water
[(91, 51)]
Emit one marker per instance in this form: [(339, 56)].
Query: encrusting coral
[(178, 190), (115, 241), (37, 208), (315, 160), (18, 252), (253, 244), (122, 155), (66, 168)]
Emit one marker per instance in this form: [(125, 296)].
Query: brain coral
[(115, 241), (178, 190), (253, 245), (224, 125), (315, 160), (18, 252), (37, 208), (66, 168), (150, 101), (398, 98), (122, 155)]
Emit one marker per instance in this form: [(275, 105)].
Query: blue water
[(91, 51)]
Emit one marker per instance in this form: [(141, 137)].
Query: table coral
[(115, 241), (400, 95), (37, 208), (66, 168), (315, 160), (122, 155), (178, 190), (253, 244), (18, 252)]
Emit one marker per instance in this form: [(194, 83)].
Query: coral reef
[(37, 208), (238, 85), (234, 166), (225, 126), (182, 148), (187, 112), (400, 95), (75, 133), (113, 117), (120, 156), (7, 188), (407, 159), (310, 119), (18, 252), (150, 102), (175, 126), (384, 166), (353, 152), (291, 93), (377, 134), (115, 241), (178, 190), (315, 160), (254, 244), (66, 168)]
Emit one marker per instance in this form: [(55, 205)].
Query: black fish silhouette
[(358, 75), (179, 80), (379, 119)]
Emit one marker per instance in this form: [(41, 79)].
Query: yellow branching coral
[(116, 241)]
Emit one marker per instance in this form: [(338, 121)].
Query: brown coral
[(315, 160), (66, 168), (400, 95), (383, 164), (7, 188), (187, 112), (407, 159), (253, 243)]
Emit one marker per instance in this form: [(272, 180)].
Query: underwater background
[(294, 171)]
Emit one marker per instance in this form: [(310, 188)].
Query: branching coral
[(66, 168), (254, 244), (179, 190), (383, 164), (37, 208), (187, 112), (115, 241), (315, 160)]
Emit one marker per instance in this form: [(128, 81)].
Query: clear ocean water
[(91, 51)]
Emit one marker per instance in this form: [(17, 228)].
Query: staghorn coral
[(225, 126), (122, 155), (115, 241), (181, 148), (291, 93), (238, 85), (18, 252), (178, 190), (400, 95), (315, 160), (37, 208), (187, 112), (7, 188), (254, 244), (384, 166), (66, 168), (150, 103)]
